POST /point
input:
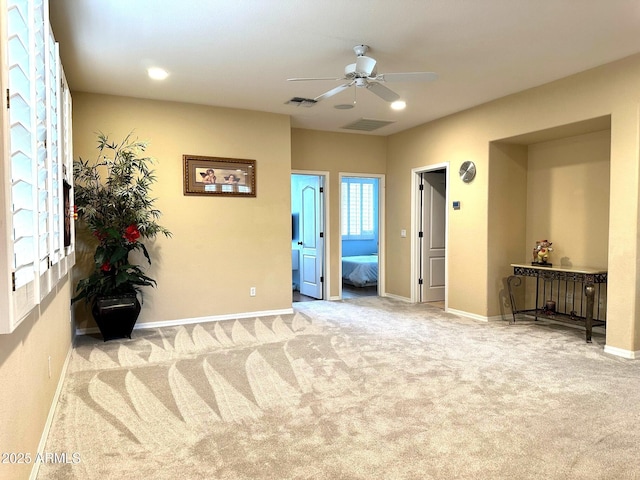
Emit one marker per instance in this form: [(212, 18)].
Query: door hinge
[(420, 234), (8, 99), (321, 279), (321, 234), (321, 189), (13, 281), (421, 186), (420, 281)]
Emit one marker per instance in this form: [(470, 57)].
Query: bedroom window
[(33, 163), (358, 208)]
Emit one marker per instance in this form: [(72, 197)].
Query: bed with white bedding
[(360, 270)]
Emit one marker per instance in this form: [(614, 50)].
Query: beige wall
[(568, 199), (336, 153), (27, 389), (556, 190), (221, 246), (453, 140), (475, 271), (508, 223)]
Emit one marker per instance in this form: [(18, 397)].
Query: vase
[(116, 315)]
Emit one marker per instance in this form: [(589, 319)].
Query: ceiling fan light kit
[(363, 74), (157, 73)]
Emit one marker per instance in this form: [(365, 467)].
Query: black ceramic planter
[(116, 315)]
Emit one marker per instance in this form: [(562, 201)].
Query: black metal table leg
[(512, 298), (590, 292)]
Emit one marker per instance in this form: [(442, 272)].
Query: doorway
[(430, 233), (360, 235), (307, 237)]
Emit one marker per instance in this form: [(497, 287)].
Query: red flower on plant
[(100, 235), (106, 266), (131, 234)]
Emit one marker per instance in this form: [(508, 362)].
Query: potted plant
[(113, 201)]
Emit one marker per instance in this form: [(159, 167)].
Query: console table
[(563, 294)]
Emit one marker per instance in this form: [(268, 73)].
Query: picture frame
[(218, 176)]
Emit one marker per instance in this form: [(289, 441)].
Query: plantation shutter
[(366, 202), (22, 135), (40, 36), (66, 158), (37, 167), (358, 208), (55, 165), (355, 209), (344, 207)]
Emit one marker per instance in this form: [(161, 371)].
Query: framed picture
[(232, 177)]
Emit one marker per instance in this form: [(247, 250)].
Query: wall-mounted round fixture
[(467, 171)]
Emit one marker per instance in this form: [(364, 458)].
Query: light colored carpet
[(369, 388)]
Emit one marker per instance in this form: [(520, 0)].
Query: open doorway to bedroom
[(360, 235)]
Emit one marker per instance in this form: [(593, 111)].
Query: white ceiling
[(239, 53)]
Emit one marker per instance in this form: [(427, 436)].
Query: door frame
[(415, 223), (381, 228), (325, 223)]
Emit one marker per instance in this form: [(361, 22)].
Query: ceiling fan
[(363, 74)]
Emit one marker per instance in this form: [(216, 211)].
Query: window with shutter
[(358, 208), (32, 164), (21, 61)]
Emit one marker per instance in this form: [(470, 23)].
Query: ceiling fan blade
[(383, 92), (407, 77), (307, 79), (365, 66), (333, 91)]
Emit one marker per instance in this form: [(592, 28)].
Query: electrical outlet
[(252, 291)]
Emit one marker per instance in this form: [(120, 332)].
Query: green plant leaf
[(112, 193)]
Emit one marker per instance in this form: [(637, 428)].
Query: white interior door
[(434, 195), (311, 239)]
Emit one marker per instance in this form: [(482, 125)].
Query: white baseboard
[(472, 316), (189, 321), (52, 411), (396, 297), (619, 352)]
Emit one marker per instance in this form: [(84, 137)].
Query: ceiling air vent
[(367, 124), (305, 102)]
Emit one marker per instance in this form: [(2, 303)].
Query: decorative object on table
[(541, 253), (118, 211), (550, 307), (216, 176)]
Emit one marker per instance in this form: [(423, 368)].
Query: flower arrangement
[(541, 252), (119, 212)]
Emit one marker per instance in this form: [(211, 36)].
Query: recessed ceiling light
[(157, 73), (398, 105)]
